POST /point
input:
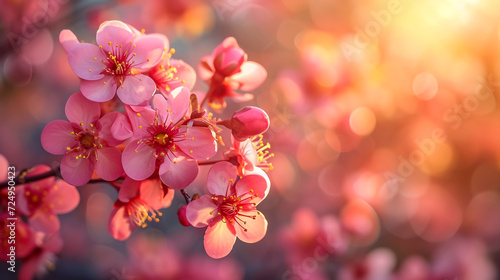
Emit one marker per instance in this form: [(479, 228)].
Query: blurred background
[(384, 126)]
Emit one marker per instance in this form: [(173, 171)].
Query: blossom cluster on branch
[(136, 124)]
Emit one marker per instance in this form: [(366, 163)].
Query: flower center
[(36, 197), (230, 206), (87, 141), (228, 209), (140, 212), (162, 138)]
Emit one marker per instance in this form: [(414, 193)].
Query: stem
[(210, 162), (186, 196), (23, 179)]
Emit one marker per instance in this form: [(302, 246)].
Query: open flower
[(166, 140), (230, 210), (86, 141), (114, 65), (42, 200), (226, 70), (138, 203)]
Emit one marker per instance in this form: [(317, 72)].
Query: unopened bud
[(248, 122), (181, 214)]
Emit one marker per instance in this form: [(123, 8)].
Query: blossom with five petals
[(86, 141), (115, 65), (230, 211), (166, 140)]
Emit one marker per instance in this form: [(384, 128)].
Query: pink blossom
[(114, 65), (137, 204), (42, 200), (43, 256), (166, 140), (247, 122), (86, 141), (249, 154), (230, 211), (226, 70)]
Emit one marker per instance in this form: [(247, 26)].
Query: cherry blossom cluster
[(136, 124)]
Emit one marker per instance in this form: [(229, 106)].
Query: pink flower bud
[(248, 122), (181, 214), (228, 61)]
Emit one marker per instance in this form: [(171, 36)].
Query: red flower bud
[(248, 122), (181, 214)]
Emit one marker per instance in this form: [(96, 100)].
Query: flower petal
[(218, 177), (160, 104), (179, 103), (151, 191), (184, 73), (199, 142), (119, 225), (56, 137), (63, 197), (251, 76), (116, 33), (138, 161), (136, 89), (129, 189), (219, 239), (179, 172), (229, 42), (100, 90), (114, 128), (68, 39), (206, 68), (108, 163), (253, 184), (81, 110), (149, 51), (76, 171), (44, 221), (256, 228), (86, 60), (200, 211)]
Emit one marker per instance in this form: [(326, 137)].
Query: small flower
[(86, 141), (247, 122), (138, 203), (165, 140), (42, 200), (114, 65), (249, 154), (226, 70), (230, 210)]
